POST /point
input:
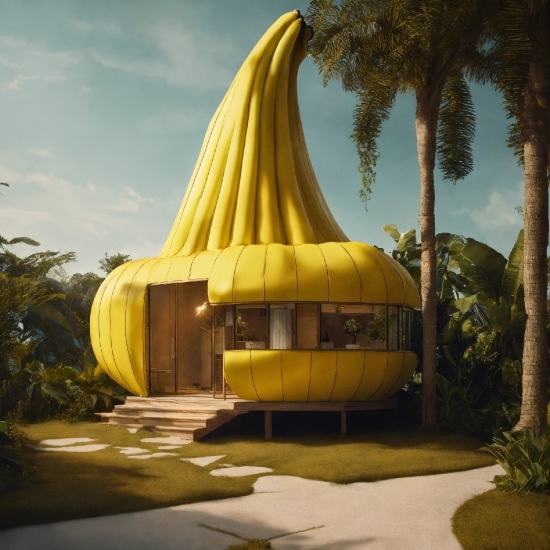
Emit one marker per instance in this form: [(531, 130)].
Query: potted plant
[(353, 327)]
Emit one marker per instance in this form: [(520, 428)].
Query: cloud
[(63, 57), (182, 58), (15, 84), (132, 204), (88, 27), (137, 196), (44, 152), (10, 64), (23, 216), (124, 205), (62, 214), (500, 212), (13, 42)]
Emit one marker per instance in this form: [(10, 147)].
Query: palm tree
[(427, 47), (520, 54)]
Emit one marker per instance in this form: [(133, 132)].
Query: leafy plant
[(525, 456), (480, 327), (352, 327), (110, 263)]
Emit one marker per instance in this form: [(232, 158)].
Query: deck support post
[(268, 422), (343, 420)]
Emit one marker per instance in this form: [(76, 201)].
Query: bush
[(525, 455), (12, 440)]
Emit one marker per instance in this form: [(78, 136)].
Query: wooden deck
[(195, 414)]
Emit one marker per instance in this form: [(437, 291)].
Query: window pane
[(251, 326), (393, 328), (307, 321), (282, 322)]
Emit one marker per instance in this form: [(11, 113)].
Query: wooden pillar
[(343, 419), (268, 417)]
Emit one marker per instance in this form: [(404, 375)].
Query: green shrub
[(525, 456)]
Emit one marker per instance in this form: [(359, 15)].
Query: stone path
[(397, 514)]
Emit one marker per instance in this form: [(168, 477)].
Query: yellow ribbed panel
[(412, 297), (266, 374), (95, 329), (135, 315), (254, 188), (373, 283), (119, 342), (238, 374), (106, 327), (202, 264), (393, 372), (394, 281), (344, 283), (312, 274), (376, 363), (179, 268), (323, 375), (318, 375), (407, 370), (281, 283), (220, 283), (349, 370), (159, 271), (296, 366), (248, 285)]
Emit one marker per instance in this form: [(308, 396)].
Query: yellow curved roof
[(253, 220), (253, 182)]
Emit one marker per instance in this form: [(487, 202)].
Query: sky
[(104, 106)]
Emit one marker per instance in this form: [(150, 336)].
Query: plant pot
[(352, 346)]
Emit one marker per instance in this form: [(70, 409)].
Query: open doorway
[(180, 351)]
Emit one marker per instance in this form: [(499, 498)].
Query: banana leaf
[(484, 267), (512, 278)]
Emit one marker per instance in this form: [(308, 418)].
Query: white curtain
[(281, 328)]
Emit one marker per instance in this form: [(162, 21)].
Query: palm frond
[(456, 129)]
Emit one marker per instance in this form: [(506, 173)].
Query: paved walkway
[(396, 514)]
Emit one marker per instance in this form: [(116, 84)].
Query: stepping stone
[(241, 471), (154, 455), (74, 448), (168, 440), (202, 460), (132, 430), (66, 441), (169, 447), (132, 450)]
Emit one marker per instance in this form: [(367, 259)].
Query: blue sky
[(104, 106)]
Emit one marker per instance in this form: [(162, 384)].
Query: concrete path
[(396, 514)]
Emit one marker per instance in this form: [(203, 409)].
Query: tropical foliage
[(525, 456), (481, 325), (47, 366), (381, 48), (519, 62)]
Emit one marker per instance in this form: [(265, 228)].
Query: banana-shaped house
[(256, 282)]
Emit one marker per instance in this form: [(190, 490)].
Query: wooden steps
[(193, 415), (189, 416)]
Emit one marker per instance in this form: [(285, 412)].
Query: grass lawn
[(497, 520), (77, 485)]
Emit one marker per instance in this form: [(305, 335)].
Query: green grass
[(497, 520), (77, 485)]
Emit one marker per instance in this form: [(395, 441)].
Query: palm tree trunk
[(427, 110), (535, 352)]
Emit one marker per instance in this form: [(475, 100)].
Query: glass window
[(354, 326), (406, 327), (282, 319), (393, 328), (251, 322), (308, 326)]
